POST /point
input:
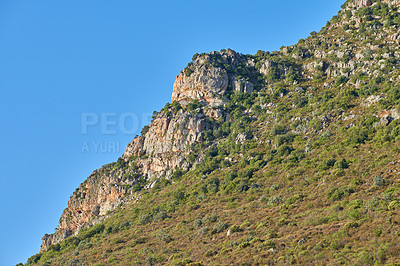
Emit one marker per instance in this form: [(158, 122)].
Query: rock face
[(163, 148), (101, 192), (207, 84), (365, 3), (208, 80), (242, 85), (158, 153), (166, 143)]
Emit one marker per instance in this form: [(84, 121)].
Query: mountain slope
[(273, 158)]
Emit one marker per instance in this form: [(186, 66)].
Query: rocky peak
[(366, 3), (209, 77)]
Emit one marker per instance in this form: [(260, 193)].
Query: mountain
[(280, 157)]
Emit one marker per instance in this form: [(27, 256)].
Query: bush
[(357, 136), (145, 218), (164, 236), (197, 223), (211, 186), (379, 181), (243, 245), (34, 259), (84, 245), (356, 204), (235, 228), (341, 164), (145, 129), (278, 130), (96, 229), (73, 262), (193, 105), (350, 225), (340, 80), (394, 205), (177, 174), (160, 216), (284, 139), (219, 227), (242, 186), (179, 195), (203, 231), (176, 106), (211, 218), (339, 193), (378, 232), (300, 102), (275, 200)]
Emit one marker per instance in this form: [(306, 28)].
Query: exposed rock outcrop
[(209, 77), (162, 149), (366, 3), (207, 84), (158, 153), (101, 192), (166, 143)]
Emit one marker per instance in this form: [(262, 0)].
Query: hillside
[(285, 157)]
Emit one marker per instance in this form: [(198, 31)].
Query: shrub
[(159, 216), (278, 130), (341, 164), (357, 136), (235, 228), (212, 185), (164, 236), (242, 186), (340, 80), (178, 173), (96, 229), (340, 192), (179, 195), (193, 105), (71, 241), (243, 245), (356, 204), (176, 106), (84, 245), (379, 181), (145, 130), (284, 139), (300, 102), (209, 253), (219, 227), (203, 231), (378, 232), (350, 225), (34, 259), (211, 218), (326, 164), (275, 200), (145, 218), (394, 205), (73, 262), (197, 223)]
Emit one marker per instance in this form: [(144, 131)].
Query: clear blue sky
[(63, 59)]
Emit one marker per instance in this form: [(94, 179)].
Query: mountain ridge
[(241, 100)]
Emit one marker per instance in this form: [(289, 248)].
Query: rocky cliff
[(202, 89), (308, 130), (209, 77), (104, 190), (163, 148)]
